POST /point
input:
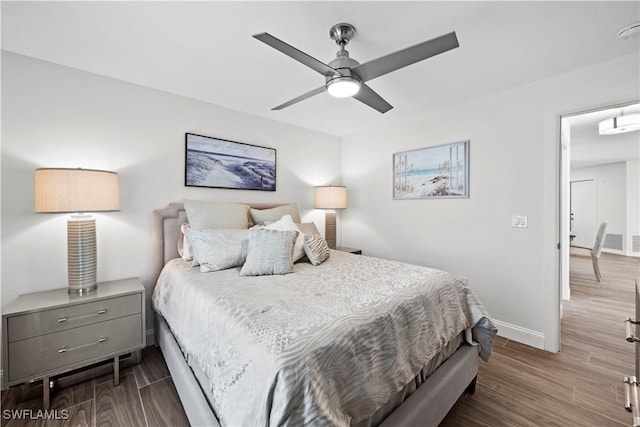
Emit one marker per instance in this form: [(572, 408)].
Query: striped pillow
[(316, 249), (270, 252)]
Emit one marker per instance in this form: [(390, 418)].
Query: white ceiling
[(204, 50)]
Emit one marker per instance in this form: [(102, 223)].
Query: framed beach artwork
[(441, 171), (218, 163)]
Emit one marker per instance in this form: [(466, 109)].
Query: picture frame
[(436, 172), (220, 163)]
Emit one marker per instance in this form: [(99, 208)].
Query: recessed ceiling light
[(630, 31)]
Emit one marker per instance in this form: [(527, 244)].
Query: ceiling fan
[(346, 77)]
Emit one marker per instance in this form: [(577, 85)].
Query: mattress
[(325, 345)]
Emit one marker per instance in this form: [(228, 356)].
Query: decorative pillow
[(316, 249), (286, 224), (308, 228), (270, 252), (207, 215), (259, 216), (219, 249), (184, 246)]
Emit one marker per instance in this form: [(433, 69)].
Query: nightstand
[(52, 332), (350, 250)]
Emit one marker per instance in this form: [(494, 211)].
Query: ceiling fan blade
[(302, 97), (394, 61), (296, 54), (368, 96)]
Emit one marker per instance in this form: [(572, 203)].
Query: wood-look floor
[(520, 386), (581, 385), (145, 396)]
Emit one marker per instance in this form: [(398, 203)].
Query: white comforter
[(325, 345)]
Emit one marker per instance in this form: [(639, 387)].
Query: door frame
[(562, 187)]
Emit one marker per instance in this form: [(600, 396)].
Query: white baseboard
[(150, 337), (623, 253), (520, 334)]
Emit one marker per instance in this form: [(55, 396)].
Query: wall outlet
[(519, 221)]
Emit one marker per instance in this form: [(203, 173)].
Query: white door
[(583, 213)]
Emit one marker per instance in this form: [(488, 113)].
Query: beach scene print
[(439, 171), (212, 162)]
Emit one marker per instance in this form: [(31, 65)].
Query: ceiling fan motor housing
[(343, 64)]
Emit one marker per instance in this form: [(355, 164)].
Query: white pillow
[(261, 216), (286, 224), (184, 246), (207, 215), (269, 252), (219, 249)]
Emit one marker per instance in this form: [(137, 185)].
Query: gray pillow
[(259, 216), (207, 215), (270, 252), (316, 249), (219, 249)]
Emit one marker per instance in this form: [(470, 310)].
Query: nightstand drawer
[(35, 356), (44, 322)]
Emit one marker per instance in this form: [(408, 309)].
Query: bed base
[(426, 406)]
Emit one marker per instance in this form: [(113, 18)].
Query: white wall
[(611, 194), (514, 166), (54, 116)]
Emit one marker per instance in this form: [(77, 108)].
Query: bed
[(327, 353)]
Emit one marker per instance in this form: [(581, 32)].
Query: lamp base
[(330, 228), (81, 254), (82, 291)]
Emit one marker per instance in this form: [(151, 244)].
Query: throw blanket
[(325, 345)]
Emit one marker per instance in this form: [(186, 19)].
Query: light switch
[(519, 221)]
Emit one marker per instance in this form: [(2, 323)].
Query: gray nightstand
[(350, 250), (49, 333)]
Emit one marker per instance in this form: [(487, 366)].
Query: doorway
[(599, 180)]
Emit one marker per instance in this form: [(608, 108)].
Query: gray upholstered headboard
[(166, 232)]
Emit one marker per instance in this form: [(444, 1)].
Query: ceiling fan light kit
[(345, 77), (343, 87), (619, 124)]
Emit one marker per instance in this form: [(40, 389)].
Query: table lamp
[(78, 191), (330, 198)]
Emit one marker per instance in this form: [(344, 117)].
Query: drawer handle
[(65, 349), (82, 316)]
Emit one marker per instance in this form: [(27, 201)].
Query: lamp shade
[(60, 190), (330, 197)]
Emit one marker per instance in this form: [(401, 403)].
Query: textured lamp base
[(81, 254), (330, 228)]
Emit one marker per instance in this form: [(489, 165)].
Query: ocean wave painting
[(218, 163), (434, 172)]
